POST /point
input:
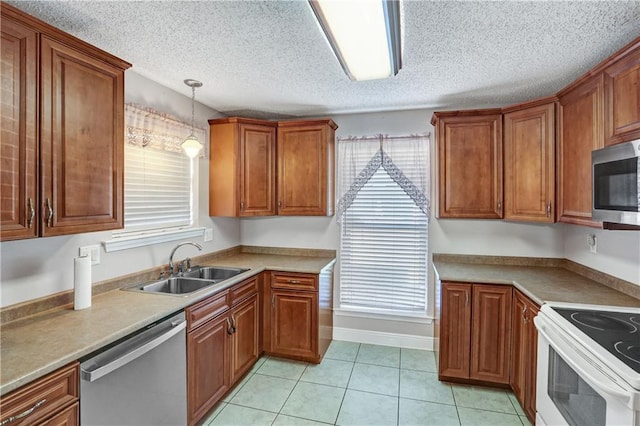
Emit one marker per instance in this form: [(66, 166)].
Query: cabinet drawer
[(243, 290), (44, 397), (294, 281), (203, 311), (68, 417)]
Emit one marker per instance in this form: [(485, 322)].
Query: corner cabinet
[(580, 118), (529, 162), (242, 167), (306, 175), (469, 145), (475, 333), (62, 132)]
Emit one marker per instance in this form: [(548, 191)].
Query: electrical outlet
[(592, 242), (93, 252), (208, 234)]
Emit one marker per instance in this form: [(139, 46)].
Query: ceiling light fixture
[(364, 35), (191, 145)]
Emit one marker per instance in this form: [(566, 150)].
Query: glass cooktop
[(617, 332)]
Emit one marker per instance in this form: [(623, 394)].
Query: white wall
[(43, 266)]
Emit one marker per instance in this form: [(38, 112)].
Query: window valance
[(148, 128)]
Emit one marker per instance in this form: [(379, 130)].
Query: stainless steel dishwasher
[(141, 380)]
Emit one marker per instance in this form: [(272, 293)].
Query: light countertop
[(37, 345)]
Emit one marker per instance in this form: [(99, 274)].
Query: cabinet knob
[(32, 212), (241, 205), (279, 203), (499, 205)]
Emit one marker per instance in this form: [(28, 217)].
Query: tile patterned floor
[(360, 384)]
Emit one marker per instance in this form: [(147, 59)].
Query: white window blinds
[(157, 189), (383, 252)]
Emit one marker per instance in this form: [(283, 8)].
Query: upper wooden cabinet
[(622, 97), (251, 168), (306, 181), (469, 147), (62, 132), (529, 162), (580, 132), (242, 167)]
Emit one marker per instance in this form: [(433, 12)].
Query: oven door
[(573, 390)]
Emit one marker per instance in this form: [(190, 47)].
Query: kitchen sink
[(191, 281), (214, 272)]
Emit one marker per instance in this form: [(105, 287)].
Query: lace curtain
[(405, 158), (146, 127)]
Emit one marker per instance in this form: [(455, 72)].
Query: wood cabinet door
[(531, 360), (19, 124), (245, 339), (257, 170), (470, 166), (294, 323), (207, 366), (67, 417), (519, 347), (305, 170), (622, 99), (81, 141), (580, 132), (491, 333), (455, 330), (529, 164)]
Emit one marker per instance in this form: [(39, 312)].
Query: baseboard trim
[(408, 341)]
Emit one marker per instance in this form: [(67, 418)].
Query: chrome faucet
[(190, 243)]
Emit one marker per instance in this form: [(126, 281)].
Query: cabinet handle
[(499, 205), (229, 332), (549, 209), (32, 213), (50, 213), (524, 313), (294, 282), (273, 300), (466, 298), (241, 205), (23, 414), (233, 323), (279, 203)]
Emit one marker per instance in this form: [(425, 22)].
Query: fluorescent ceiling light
[(364, 34)]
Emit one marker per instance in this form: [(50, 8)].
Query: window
[(160, 190), (383, 217)]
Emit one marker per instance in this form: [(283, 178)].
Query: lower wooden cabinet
[(524, 349), (222, 344), (51, 400), (294, 323), (475, 334)]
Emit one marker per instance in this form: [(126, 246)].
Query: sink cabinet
[(51, 400), (222, 344), (62, 132)]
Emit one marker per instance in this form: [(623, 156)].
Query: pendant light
[(191, 145)]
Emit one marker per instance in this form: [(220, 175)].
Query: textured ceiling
[(271, 55)]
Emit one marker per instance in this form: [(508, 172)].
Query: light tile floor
[(360, 384)]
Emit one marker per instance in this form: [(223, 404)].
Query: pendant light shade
[(191, 145)]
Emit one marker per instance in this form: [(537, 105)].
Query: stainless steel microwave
[(615, 175)]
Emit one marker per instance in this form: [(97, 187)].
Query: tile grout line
[(347, 385)]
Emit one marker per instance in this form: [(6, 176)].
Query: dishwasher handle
[(131, 349)]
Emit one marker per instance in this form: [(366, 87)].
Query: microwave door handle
[(562, 350)]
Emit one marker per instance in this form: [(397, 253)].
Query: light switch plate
[(208, 234), (93, 251)]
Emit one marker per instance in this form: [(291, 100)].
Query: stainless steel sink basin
[(195, 279), (214, 273), (177, 285)]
